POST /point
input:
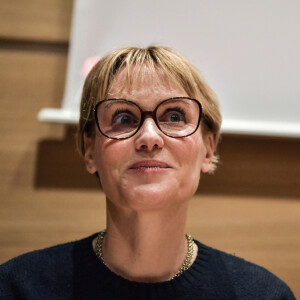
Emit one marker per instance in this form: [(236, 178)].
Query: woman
[(149, 126)]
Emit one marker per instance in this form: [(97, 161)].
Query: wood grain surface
[(47, 20)]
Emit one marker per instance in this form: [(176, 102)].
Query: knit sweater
[(73, 271)]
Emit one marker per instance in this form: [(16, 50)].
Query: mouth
[(149, 166)]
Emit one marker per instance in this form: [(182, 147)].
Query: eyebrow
[(110, 102), (187, 103)]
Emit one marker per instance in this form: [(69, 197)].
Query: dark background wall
[(250, 207)]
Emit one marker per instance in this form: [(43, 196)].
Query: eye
[(173, 115), (123, 120), (124, 117)]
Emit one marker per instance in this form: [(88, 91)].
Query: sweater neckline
[(102, 276)]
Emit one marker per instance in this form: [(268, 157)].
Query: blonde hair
[(176, 67)]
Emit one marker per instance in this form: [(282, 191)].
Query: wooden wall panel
[(29, 82), (47, 20), (256, 166), (35, 219), (261, 230), (250, 207)]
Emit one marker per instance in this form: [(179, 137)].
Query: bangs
[(155, 62)]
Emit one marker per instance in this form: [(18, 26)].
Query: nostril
[(148, 147)]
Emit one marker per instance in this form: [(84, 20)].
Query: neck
[(145, 246)]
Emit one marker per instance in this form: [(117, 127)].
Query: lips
[(149, 164)]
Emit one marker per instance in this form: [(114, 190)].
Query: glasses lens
[(178, 117), (118, 118)]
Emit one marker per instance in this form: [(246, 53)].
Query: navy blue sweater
[(73, 271)]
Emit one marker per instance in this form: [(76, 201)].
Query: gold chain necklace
[(186, 264)]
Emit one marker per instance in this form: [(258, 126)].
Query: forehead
[(144, 85)]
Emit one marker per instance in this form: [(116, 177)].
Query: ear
[(209, 144), (89, 158)]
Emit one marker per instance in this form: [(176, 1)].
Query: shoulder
[(249, 280), (35, 270), (38, 259)]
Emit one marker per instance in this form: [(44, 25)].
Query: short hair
[(175, 66)]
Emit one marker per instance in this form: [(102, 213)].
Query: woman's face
[(148, 170)]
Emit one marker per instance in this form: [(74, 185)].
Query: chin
[(156, 196), (151, 196)]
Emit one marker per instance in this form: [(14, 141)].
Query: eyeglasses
[(121, 118)]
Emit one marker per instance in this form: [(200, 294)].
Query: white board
[(248, 52)]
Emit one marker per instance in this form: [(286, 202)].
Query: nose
[(149, 137)]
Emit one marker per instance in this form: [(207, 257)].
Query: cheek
[(188, 153), (192, 152), (110, 155)]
